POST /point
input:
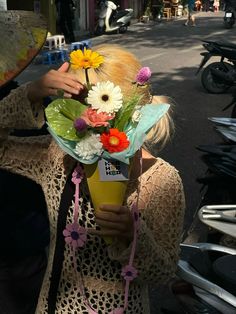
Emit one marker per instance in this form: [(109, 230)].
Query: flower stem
[(87, 79)]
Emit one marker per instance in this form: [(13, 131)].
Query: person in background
[(191, 14), (65, 11), (198, 5), (205, 5), (216, 5)]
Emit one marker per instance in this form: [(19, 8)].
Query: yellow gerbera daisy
[(85, 59)]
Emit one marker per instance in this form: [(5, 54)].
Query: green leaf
[(124, 115), (61, 114)]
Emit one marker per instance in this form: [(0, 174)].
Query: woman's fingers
[(104, 224), (114, 220), (64, 81), (64, 67), (111, 216), (108, 232), (114, 208)]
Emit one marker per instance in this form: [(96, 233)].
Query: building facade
[(85, 13)]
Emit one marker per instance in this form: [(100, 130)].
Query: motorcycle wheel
[(228, 24), (99, 31), (208, 81), (123, 29)]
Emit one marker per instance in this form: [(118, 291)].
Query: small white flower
[(89, 146), (105, 97), (137, 114)]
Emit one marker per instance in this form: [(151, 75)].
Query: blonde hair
[(121, 67)]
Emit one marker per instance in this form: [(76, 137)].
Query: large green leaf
[(61, 114)]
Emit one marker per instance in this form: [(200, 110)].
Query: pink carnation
[(94, 119), (143, 75)]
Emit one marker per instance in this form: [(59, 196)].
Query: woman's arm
[(22, 108), (27, 156), (55, 81)]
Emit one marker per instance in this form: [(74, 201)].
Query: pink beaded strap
[(76, 236)]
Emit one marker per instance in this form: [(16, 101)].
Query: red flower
[(114, 141)]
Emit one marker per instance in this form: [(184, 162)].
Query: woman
[(191, 21), (95, 284)]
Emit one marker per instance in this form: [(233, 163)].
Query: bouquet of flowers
[(106, 125)]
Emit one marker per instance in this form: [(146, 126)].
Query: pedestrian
[(216, 5), (24, 224), (90, 277), (198, 5), (65, 13), (191, 14), (205, 5)]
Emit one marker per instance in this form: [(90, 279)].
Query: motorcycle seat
[(226, 44), (120, 13), (221, 44), (225, 268)]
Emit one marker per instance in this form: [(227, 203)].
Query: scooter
[(229, 18), (219, 76), (112, 20), (207, 271)]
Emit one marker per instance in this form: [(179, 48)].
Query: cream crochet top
[(161, 196)]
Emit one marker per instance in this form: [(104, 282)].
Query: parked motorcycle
[(206, 273), (229, 17), (219, 76), (111, 19)]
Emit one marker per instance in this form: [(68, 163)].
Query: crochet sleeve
[(26, 156), (160, 230), (16, 111)]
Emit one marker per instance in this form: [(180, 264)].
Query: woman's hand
[(114, 221), (54, 81)]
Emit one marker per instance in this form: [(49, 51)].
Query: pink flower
[(129, 272), (77, 174), (80, 125), (143, 75), (94, 119), (75, 235)]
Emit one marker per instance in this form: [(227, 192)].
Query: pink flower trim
[(129, 272), (77, 174), (75, 235), (143, 75), (94, 119)]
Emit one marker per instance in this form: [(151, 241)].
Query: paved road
[(173, 53)]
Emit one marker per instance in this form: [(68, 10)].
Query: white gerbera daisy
[(105, 97), (89, 146)]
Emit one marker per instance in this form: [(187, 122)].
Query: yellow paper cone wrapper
[(104, 192)]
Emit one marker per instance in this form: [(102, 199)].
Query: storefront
[(45, 7), (85, 14)]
